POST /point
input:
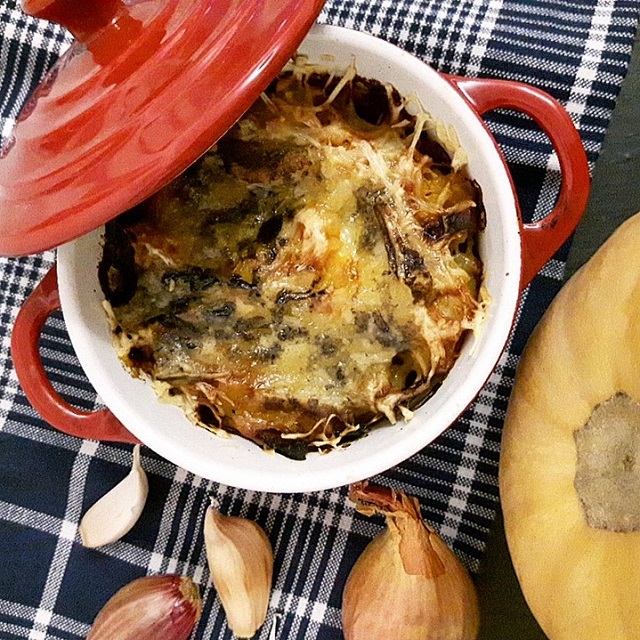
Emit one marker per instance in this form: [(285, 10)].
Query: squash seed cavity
[(607, 476)]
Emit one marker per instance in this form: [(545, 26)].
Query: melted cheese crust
[(315, 272)]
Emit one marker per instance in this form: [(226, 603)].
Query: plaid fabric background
[(52, 587)]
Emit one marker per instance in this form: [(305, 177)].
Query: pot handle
[(540, 239), (25, 337)]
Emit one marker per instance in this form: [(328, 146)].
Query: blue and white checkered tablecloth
[(51, 587)]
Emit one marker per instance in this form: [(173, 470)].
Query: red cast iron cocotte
[(512, 250)]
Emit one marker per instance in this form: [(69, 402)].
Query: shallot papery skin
[(407, 584), (164, 607)]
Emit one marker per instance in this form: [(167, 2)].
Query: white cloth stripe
[(63, 548)]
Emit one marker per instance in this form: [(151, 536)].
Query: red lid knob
[(82, 18)]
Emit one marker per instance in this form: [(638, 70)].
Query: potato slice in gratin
[(312, 275)]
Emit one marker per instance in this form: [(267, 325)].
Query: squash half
[(570, 460)]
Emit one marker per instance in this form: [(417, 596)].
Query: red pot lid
[(148, 87)]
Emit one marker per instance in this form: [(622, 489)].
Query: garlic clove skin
[(240, 559), (114, 515), (407, 583), (163, 607)]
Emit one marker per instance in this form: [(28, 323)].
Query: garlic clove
[(163, 607), (240, 559), (407, 583), (113, 515)]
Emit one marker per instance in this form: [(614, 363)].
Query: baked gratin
[(314, 274)]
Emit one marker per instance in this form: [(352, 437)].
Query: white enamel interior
[(236, 462)]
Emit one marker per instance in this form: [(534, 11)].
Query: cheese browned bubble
[(310, 276)]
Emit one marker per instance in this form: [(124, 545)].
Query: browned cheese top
[(313, 274)]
